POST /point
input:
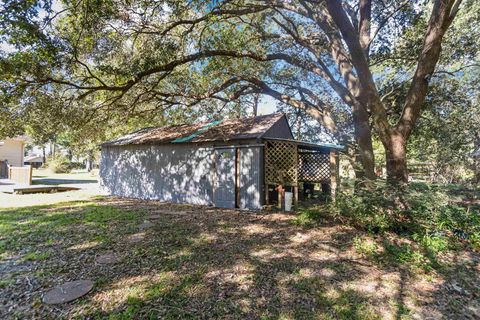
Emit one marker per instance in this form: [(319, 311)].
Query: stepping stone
[(145, 225), (68, 291), (107, 258)]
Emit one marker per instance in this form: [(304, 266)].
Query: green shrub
[(63, 165), (308, 217), (474, 240), (76, 165), (365, 246), (429, 218), (59, 165), (406, 255), (369, 210), (424, 212), (433, 243)]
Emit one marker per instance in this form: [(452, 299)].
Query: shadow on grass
[(50, 181), (206, 263)]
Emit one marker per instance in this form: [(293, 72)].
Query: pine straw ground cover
[(200, 262)]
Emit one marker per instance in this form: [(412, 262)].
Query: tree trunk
[(256, 99), (396, 154), (90, 161), (363, 137), (44, 154), (298, 125), (477, 171), (476, 159)]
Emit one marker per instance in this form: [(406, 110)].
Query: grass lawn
[(46, 176), (200, 262)]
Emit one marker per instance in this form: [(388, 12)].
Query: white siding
[(176, 173), (251, 183), (12, 151)]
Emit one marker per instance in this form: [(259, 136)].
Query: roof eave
[(310, 144)]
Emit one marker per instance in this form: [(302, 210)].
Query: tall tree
[(145, 56)]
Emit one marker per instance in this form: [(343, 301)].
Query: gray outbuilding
[(228, 164)]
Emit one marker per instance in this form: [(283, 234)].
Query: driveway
[(86, 182)]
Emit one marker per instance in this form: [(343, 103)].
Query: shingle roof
[(236, 129), (33, 157)]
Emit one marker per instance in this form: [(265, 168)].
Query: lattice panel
[(281, 163), (313, 167)]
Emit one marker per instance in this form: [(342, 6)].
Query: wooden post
[(334, 173), (295, 189), (279, 204), (265, 171), (295, 197), (30, 169), (267, 200)]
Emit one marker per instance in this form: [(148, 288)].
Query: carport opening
[(308, 170)]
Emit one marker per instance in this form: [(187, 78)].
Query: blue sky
[(267, 105)]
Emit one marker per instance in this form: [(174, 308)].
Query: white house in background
[(34, 160), (12, 150)]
